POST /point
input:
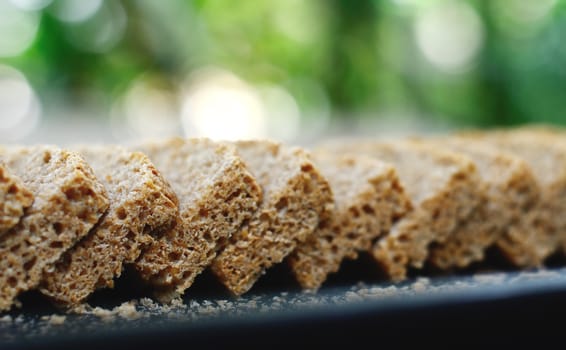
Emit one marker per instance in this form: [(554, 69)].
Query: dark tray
[(510, 307)]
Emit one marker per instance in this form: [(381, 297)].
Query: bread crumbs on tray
[(54, 320)]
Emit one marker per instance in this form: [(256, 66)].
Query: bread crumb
[(421, 284), (490, 278), (128, 311), (56, 320)]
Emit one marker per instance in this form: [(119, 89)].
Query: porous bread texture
[(69, 201), (546, 157), (511, 193), (295, 197), (216, 195), (368, 198), (442, 187), (14, 199), (142, 206), (555, 135)]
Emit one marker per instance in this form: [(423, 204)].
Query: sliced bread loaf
[(295, 198), (142, 206), (216, 195), (510, 195), (69, 201), (442, 187), (547, 159), (368, 198), (14, 199)]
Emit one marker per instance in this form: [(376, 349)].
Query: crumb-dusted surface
[(511, 193), (151, 320), (142, 206), (442, 187), (295, 197), (14, 199), (547, 159), (368, 198), (216, 195), (69, 201)]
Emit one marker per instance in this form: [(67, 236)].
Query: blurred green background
[(290, 69)]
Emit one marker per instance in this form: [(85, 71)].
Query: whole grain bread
[(295, 197), (368, 199), (511, 194), (547, 159), (69, 201), (142, 206), (555, 135), (442, 187), (216, 195), (14, 199)]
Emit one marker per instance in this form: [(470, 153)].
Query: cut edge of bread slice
[(216, 195), (510, 194), (69, 201), (368, 200), (142, 206), (14, 199), (442, 188), (295, 198)]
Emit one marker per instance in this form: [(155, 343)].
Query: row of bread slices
[(70, 220)]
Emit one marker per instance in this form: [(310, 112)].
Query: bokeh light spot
[(75, 10), (31, 5), (102, 32), (19, 106), (527, 10), (450, 34), (18, 29), (149, 109), (284, 119), (219, 105)]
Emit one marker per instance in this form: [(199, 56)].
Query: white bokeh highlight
[(18, 29), (219, 105), (450, 34), (20, 109)]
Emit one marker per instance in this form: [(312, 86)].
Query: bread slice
[(553, 134), (142, 206), (69, 201), (442, 187), (512, 192), (368, 198), (216, 195), (546, 156), (14, 199), (295, 197)]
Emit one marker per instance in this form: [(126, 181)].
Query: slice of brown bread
[(216, 195), (295, 197), (442, 187), (14, 199), (547, 159), (368, 198), (142, 206), (69, 201), (512, 192), (555, 135)]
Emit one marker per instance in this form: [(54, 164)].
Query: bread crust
[(69, 201), (295, 197), (442, 187), (510, 195), (543, 230), (142, 206), (368, 199), (216, 195)]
